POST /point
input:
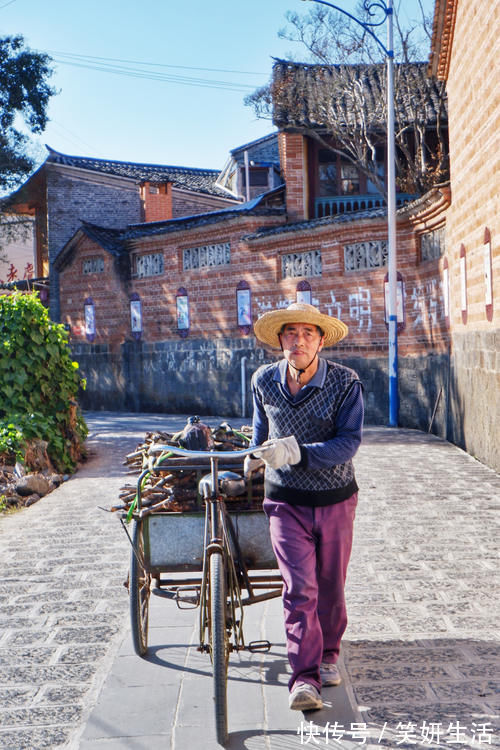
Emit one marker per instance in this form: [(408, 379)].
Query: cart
[(225, 559)]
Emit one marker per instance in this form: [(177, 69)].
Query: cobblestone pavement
[(420, 654), (421, 649), (63, 562)]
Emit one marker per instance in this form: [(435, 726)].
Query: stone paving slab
[(420, 656), (63, 607), (427, 534), (166, 696)]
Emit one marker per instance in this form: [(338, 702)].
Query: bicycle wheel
[(139, 592), (219, 643)]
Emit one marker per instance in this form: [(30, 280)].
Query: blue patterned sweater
[(326, 417)]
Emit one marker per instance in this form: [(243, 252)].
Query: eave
[(442, 38), (429, 211)]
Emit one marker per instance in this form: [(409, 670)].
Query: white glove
[(251, 464), (279, 452)]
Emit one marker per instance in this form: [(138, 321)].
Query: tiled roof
[(311, 224), (109, 239), (262, 149), (185, 178), (303, 94), (115, 241), (255, 207)]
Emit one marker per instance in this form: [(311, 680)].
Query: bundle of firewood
[(171, 482)]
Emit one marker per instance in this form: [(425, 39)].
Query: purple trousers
[(312, 547)]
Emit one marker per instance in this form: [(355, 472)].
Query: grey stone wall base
[(474, 413), (455, 396)]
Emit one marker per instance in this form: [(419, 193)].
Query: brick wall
[(204, 368), (185, 203), (108, 201), (294, 168), (474, 115), (156, 201), (72, 197), (107, 291), (474, 129), (355, 296)]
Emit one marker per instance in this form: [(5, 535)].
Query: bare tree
[(339, 99)]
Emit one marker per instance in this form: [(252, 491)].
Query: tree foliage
[(13, 228), (39, 381), (24, 95), (345, 113)]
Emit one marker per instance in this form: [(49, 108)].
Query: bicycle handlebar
[(158, 448)]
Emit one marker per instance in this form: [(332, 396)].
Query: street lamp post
[(387, 9)]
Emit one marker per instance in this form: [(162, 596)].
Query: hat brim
[(269, 325)]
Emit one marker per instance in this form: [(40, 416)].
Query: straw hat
[(267, 327)]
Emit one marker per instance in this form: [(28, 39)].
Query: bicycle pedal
[(184, 601), (254, 646)]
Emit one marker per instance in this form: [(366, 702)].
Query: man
[(307, 422)]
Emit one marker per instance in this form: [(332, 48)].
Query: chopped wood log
[(173, 485)]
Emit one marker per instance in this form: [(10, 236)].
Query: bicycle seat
[(229, 483)]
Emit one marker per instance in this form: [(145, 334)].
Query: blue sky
[(133, 118)]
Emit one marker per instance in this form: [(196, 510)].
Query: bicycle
[(233, 544)]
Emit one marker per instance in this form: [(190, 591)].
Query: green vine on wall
[(39, 383)]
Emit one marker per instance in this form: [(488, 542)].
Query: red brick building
[(68, 189), (466, 54), (160, 311), (167, 293)]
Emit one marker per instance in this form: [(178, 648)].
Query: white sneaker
[(330, 674), (304, 697)]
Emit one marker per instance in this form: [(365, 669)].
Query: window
[(182, 310), (379, 169), (336, 176), (350, 179), (135, 316), (258, 177), (244, 306), (463, 283), (301, 264), (95, 264), (89, 318), (206, 256), (488, 283), (148, 265), (327, 172), (432, 244), (446, 291), (303, 292), (365, 255)]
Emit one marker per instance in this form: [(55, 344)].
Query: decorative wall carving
[(148, 265), (432, 244), (206, 256), (361, 256), (95, 264), (301, 264)]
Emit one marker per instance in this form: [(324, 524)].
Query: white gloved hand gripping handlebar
[(279, 452)]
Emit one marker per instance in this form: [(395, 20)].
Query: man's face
[(300, 342)]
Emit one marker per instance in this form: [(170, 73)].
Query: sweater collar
[(317, 381)]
